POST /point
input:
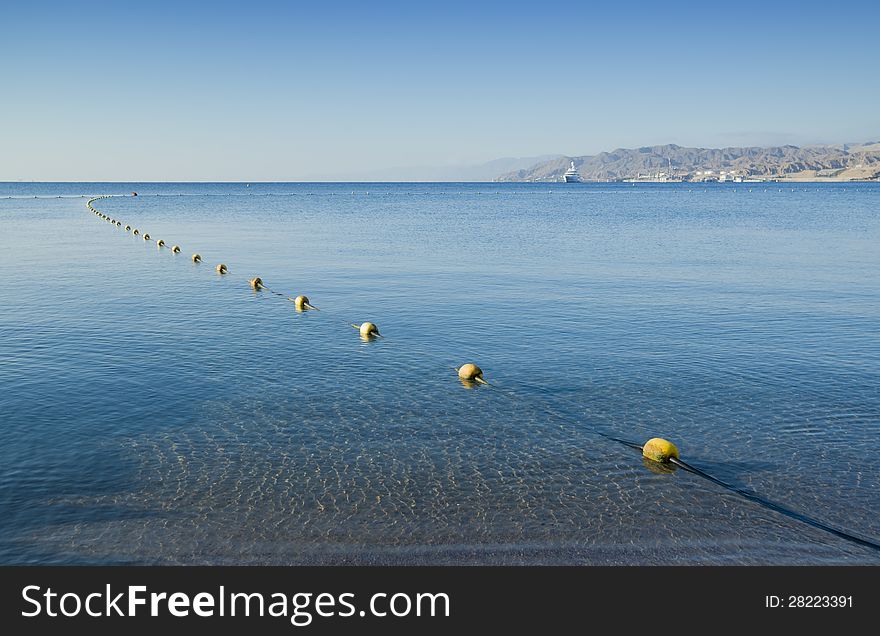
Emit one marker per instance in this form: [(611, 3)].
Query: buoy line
[(656, 450)]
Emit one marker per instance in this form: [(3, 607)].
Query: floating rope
[(777, 507)]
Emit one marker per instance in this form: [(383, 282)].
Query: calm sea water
[(156, 412)]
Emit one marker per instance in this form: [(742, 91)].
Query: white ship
[(571, 175)]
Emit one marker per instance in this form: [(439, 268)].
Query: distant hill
[(845, 160)]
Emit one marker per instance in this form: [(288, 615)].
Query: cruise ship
[(571, 175)]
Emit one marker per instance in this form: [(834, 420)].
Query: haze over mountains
[(839, 161), (488, 171)]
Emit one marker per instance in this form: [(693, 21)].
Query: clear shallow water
[(154, 412)]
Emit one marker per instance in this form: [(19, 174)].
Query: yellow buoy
[(302, 303), (256, 283), (221, 268), (367, 330), (659, 450), (127, 228), (196, 258), (471, 373), (146, 237), (175, 249), (160, 243), (136, 232)]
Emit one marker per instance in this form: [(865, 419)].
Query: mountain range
[(839, 162)]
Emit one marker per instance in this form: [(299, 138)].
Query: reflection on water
[(658, 468), (157, 412)]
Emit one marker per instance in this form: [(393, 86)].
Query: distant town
[(723, 176)]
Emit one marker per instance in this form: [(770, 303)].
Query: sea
[(153, 411)]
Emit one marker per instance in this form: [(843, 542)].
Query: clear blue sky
[(287, 91)]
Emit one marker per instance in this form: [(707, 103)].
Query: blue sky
[(293, 91)]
